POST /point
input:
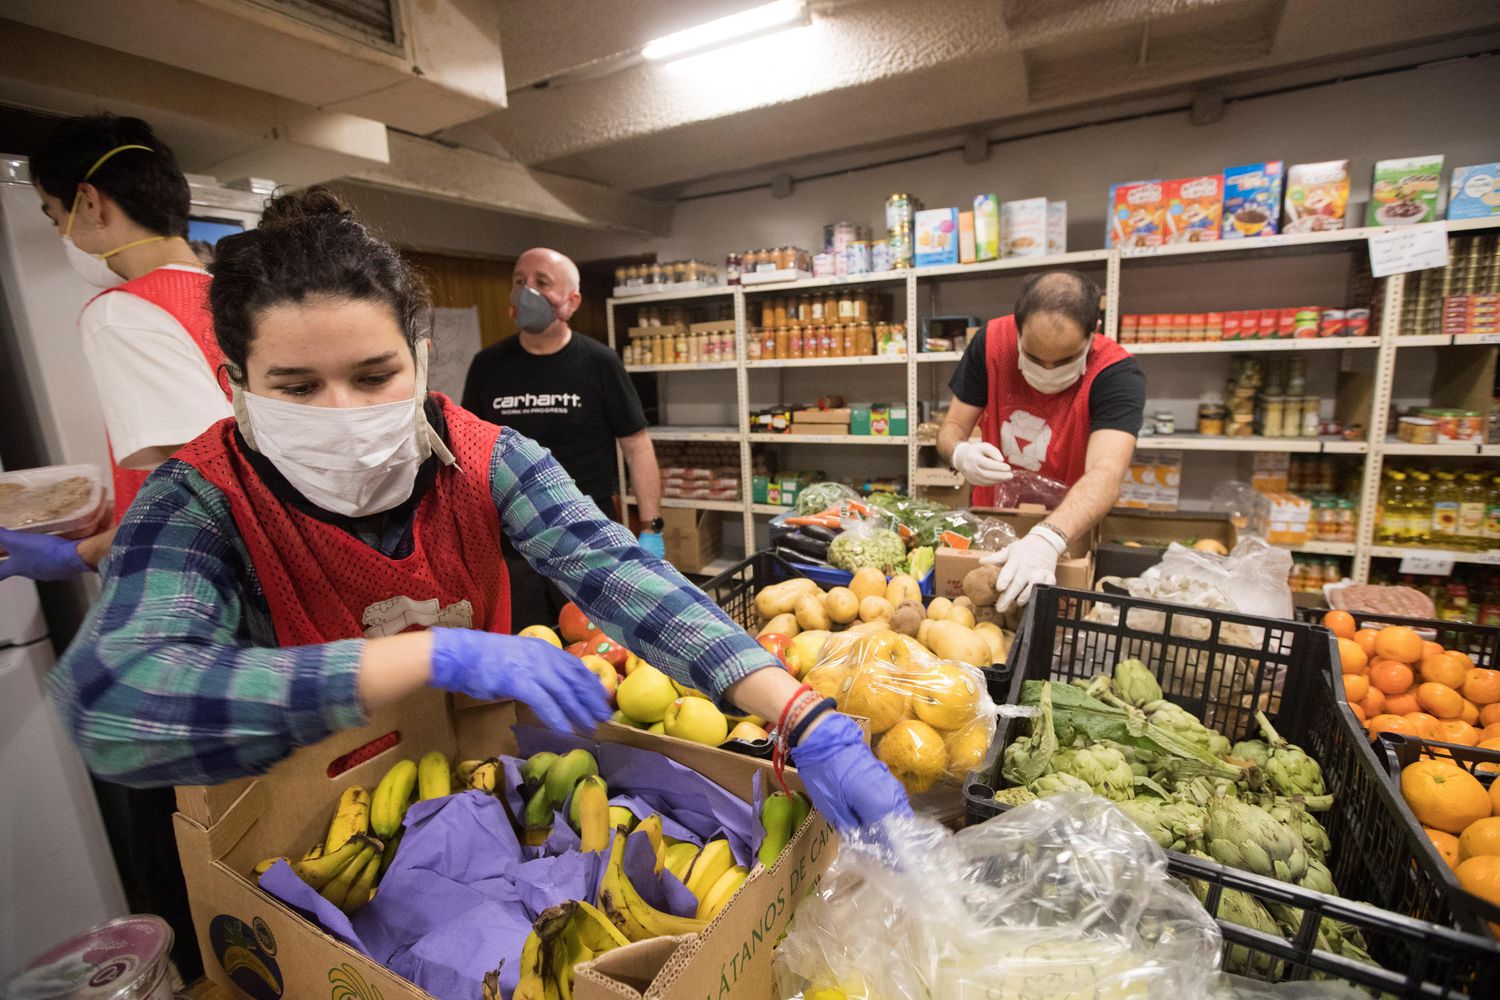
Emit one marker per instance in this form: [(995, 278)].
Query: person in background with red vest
[(1054, 397), (120, 203), (336, 546)]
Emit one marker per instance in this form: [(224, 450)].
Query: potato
[(923, 631), (979, 585), (939, 608), (902, 588), (780, 598), (961, 615), (841, 604), (810, 613), (997, 638), (868, 582), (908, 619), (875, 608), (782, 625), (952, 641), (963, 602), (867, 628)]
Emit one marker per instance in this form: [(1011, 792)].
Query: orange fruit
[(1481, 837), (1462, 658), (1390, 724), (1443, 796), (1482, 687), (1495, 797), (1352, 659), (1426, 725), (1456, 731), (1488, 733), (1430, 648), (1481, 876), (1489, 714), (1340, 623), (1373, 702), (1397, 642), (1443, 669), (1359, 712), (1446, 844), (1402, 704), (1390, 677), (1470, 712), (1441, 700), (1365, 638), (1355, 687)]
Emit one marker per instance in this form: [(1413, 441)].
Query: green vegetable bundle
[(864, 545)]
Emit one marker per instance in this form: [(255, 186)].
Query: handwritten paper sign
[(1398, 249), (1427, 563)]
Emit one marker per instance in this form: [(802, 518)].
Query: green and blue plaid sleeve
[(175, 677), (637, 599)]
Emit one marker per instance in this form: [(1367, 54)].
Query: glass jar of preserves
[(767, 313), (733, 262), (815, 308), (804, 308), (831, 307), (1211, 419), (864, 340), (1273, 414), (795, 348), (784, 337), (752, 345), (779, 312), (861, 306), (846, 341)]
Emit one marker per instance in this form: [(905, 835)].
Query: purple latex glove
[(40, 557), (845, 781), (652, 542), (556, 685)]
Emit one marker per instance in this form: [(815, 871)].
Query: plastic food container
[(125, 959), (51, 500)]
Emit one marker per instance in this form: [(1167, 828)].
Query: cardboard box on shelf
[(692, 538), (936, 237), (1023, 228), (837, 416), (1290, 519), (1135, 215), (1252, 200), (955, 497), (1153, 482), (1075, 569), (1194, 205), (966, 248), (1271, 471), (1474, 192), (1317, 196), (1057, 227), (986, 227), (223, 830), (1130, 542), (1406, 191)]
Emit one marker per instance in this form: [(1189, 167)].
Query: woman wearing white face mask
[(120, 203), (336, 547), (1052, 396)]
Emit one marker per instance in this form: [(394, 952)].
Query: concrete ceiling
[(871, 72)]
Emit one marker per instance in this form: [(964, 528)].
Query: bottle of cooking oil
[(1391, 529), (1492, 516), (1473, 502), (1445, 502), (1419, 509)]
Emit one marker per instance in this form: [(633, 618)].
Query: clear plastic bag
[(993, 534), (1025, 487), (821, 496), (868, 542), (931, 719), (1058, 899)]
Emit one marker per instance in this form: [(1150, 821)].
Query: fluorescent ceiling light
[(735, 28)]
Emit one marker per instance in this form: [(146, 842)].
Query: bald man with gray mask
[(571, 394)]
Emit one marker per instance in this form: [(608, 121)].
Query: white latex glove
[(1024, 564), (980, 462)]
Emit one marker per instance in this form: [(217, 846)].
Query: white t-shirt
[(154, 385)]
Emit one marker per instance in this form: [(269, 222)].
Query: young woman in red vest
[(1052, 396), (336, 546), (120, 203)]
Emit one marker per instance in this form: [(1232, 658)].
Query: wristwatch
[(656, 524)]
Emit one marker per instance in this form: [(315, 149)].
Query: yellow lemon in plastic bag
[(914, 752), (944, 696), (873, 692), (966, 748)]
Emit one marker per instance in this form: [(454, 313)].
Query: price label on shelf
[(1487, 338), (1399, 249), (1425, 563), (1488, 558)]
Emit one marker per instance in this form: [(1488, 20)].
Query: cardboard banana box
[(258, 948)]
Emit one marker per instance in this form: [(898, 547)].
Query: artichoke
[(1051, 784), (1292, 813), (1017, 796), (1245, 836), (1176, 826), (1319, 879), (1176, 719), (1241, 908), (1028, 759), (1289, 771), (1135, 683), (1103, 768), (1253, 751)]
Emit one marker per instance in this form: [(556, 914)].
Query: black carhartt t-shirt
[(1117, 399), (574, 403)]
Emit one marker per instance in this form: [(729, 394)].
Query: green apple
[(608, 676), (645, 695), (698, 720)]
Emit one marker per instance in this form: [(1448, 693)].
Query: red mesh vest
[(323, 584), (1048, 434), (184, 296)]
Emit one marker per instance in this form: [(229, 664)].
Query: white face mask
[(1052, 380), (354, 461), (90, 267)]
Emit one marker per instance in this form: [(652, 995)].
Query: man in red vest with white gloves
[(1054, 397)]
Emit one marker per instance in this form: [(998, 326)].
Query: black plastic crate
[(1481, 643), (1222, 666), (734, 591)]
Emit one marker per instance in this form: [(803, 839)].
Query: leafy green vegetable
[(865, 546), (820, 496), (1027, 760), (919, 561)]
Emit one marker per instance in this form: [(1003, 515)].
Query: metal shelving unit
[(1386, 341)]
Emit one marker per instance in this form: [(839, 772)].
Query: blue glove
[(557, 686), (40, 557), (652, 543), (845, 781)]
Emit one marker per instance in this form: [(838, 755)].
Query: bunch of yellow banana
[(481, 775), (433, 778), (345, 877), (553, 779), (392, 798), (589, 813), (780, 817), (561, 937), (635, 918), (712, 877), (351, 819)]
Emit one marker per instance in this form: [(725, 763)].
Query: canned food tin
[(900, 244), (1357, 322), (1231, 326), (898, 213), (880, 255), (125, 959), (1471, 426), (1266, 321), (822, 265), (857, 254), (1331, 323)]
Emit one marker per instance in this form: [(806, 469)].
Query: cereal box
[(1475, 192), (1405, 191), (1252, 199), (1057, 227), (1316, 196), (1135, 217), (1023, 228), (966, 238), (1193, 208), (937, 237), (986, 227)]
